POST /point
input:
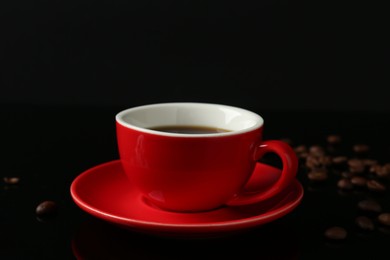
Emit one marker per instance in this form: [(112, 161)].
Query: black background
[(270, 54)]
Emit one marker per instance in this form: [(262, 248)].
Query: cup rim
[(259, 121)]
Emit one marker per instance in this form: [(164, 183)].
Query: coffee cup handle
[(289, 171)]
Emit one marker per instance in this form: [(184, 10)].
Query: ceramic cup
[(190, 172)]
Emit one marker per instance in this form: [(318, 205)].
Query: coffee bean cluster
[(353, 172)]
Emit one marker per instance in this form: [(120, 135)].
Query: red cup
[(197, 172)]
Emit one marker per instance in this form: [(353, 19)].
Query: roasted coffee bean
[(375, 168), (11, 180), (325, 160), (46, 208), (370, 205), (333, 139), (316, 150), (387, 166), (317, 176), (347, 174), (356, 165), (383, 171), (312, 162), (300, 149), (365, 223), (345, 184), (303, 155), (336, 233), (339, 160), (360, 148), (357, 170), (384, 219), (311, 165), (375, 186), (359, 181), (369, 162)]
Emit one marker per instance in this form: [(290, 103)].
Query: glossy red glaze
[(290, 168), (190, 174), (184, 173), (105, 192)]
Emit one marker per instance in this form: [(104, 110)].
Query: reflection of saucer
[(104, 192), (95, 239)]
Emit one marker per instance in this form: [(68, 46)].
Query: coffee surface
[(192, 129)]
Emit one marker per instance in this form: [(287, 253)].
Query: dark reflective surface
[(47, 147), (96, 239)]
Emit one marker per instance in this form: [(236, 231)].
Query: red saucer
[(104, 192)]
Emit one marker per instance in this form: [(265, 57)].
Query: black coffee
[(192, 129)]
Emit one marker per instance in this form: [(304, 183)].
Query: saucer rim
[(131, 222)]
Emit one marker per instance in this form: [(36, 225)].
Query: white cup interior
[(235, 120)]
